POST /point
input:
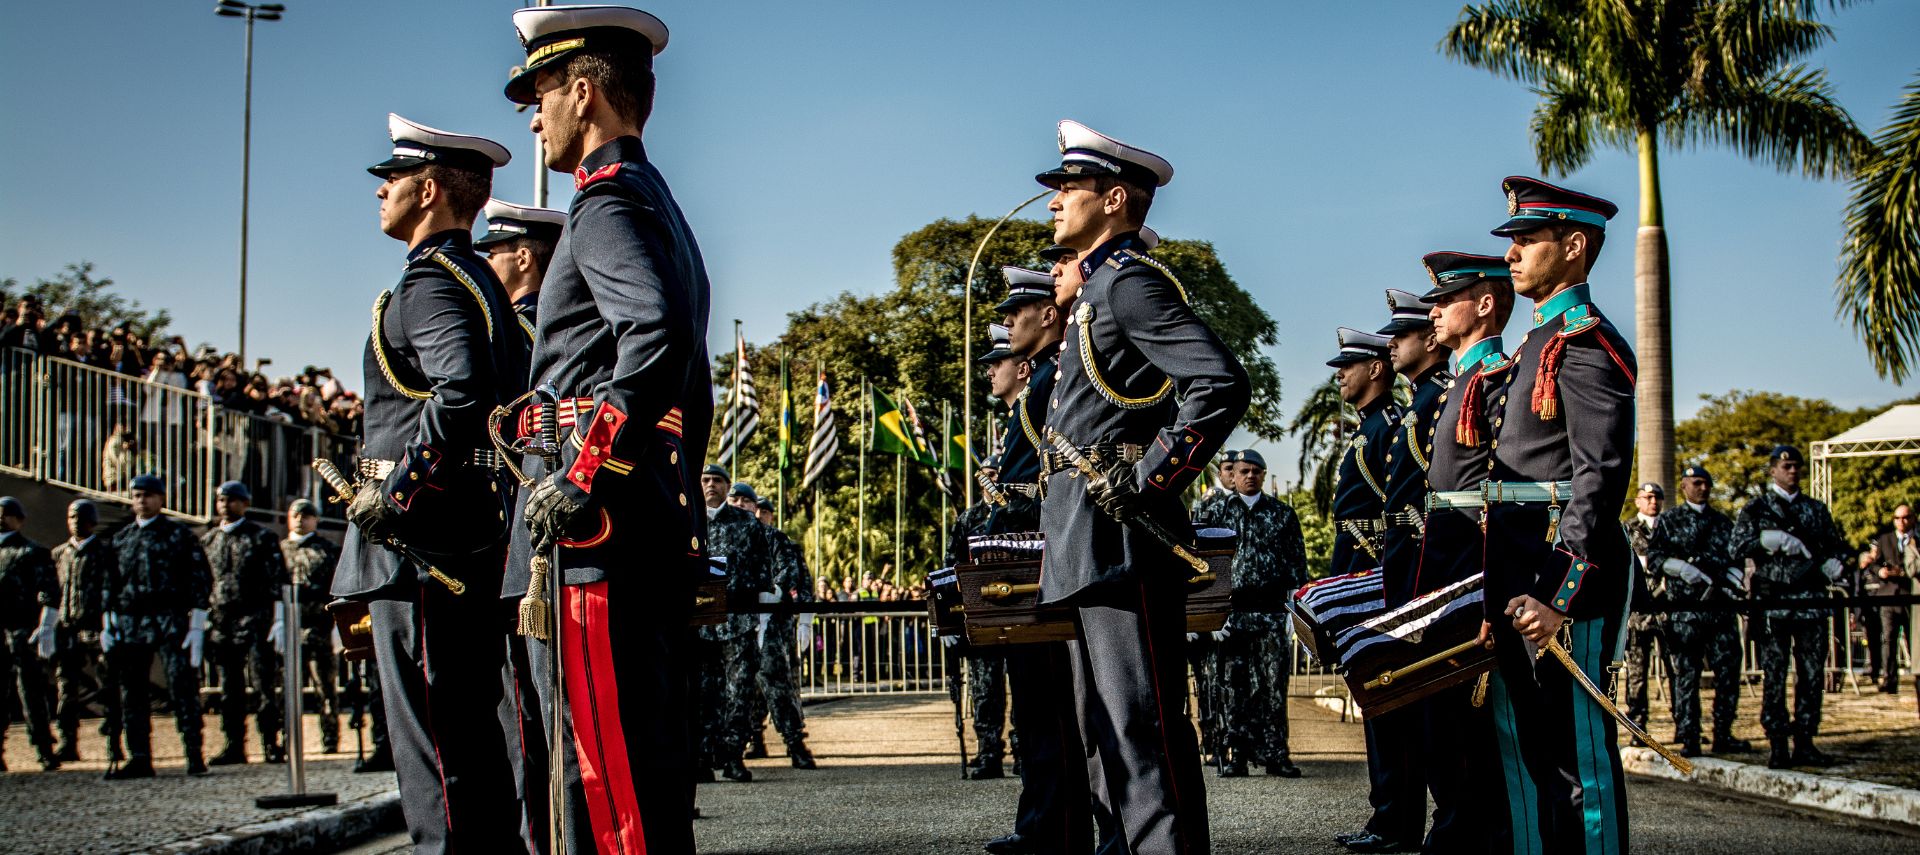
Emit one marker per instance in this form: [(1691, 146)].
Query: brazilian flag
[(891, 433)]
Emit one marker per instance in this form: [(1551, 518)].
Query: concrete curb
[(1878, 802), (320, 828)]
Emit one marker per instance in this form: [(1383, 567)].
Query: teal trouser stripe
[(1522, 802), (1597, 792)]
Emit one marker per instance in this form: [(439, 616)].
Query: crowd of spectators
[(311, 398)]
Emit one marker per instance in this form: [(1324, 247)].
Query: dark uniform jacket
[(445, 350), (1022, 439), (27, 581), (1898, 581), (623, 332), (1137, 366), (1454, 546), (790, 577), (1269, 558), (1581, 430), (310, 564), (1649, 584), (248, 573), (1703, 538), (971, 521), (1409, 453), (1359, 494), (1779, 574), (82, 572), (525, 312), (161, 575)]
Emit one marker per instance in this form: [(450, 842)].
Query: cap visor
[(1449, 288), (993, 356), (1396, 327), (1012, 303), (1520, 226), (395, 164), (1056, 252), (519, 87), (1346, 359), (494, 239)]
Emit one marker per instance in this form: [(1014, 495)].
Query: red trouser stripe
[(598, 738)]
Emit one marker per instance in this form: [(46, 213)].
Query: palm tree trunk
[(1653, 325)]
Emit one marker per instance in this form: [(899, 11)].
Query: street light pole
[(262, 12)]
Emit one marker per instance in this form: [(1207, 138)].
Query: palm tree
[(1634, 74), (1879, 286), (1321, 423)]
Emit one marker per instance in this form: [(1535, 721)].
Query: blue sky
[(1323, 148)]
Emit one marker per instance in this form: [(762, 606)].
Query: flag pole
[(866, 409), (899, 502), (786, 439), (946, 448)]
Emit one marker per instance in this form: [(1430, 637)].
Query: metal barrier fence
[(92, 430), (871, 653)]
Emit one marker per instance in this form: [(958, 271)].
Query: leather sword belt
[(1031, 491), (1102, 454), (1501, 492), (378, 469), (568, 412), (1364, 525), (1409, 516)]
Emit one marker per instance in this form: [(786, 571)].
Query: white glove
[(760, 629), (949, 640), (1222, 634), (196, 635), (1677, 567), (1775, 540), (1736, 578), (106, 631), (1833, 568), (338, 646), (1193, 637), (769, 597), (803, 632), (278, 632), (44, 635)]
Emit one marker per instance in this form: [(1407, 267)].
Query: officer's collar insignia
[(581, 177)]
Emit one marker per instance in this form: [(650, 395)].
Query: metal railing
[(863, 653), (92, 430)]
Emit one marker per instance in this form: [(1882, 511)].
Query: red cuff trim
[(1181, 456), (414, 474), (596, 448)]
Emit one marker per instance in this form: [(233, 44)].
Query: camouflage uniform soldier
[(1203, 656), (82, 564), (733, 532), (248, 575), (29, 618), (1796, 551), (785, 636), (1644, 627), (156, 603), (310, 563), (1691, 547), (1253, 654)]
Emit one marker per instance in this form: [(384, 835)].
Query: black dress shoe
[(1233, 769), (1727, 743), (988, 771), (1347, 837), (1012, 844), (1283, 769), (1804, 754), (139, 767), (799, 755), (1375, 843), (735, 770), (378, 761)]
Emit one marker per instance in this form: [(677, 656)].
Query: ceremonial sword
[(1559, 652)]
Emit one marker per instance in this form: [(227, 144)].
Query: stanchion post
[(293, 670)]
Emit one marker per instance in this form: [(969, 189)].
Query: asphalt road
[(889, 783)]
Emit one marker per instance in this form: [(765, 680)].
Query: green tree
[(1321, 425), (1879, 285), (75, 290), (1642, 74)]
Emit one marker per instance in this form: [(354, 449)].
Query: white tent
[(1896, 431)]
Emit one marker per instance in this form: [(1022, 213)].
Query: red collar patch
[(581, 178)]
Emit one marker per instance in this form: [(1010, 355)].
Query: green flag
[(956, 441), (786, 414), (890, 431)]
